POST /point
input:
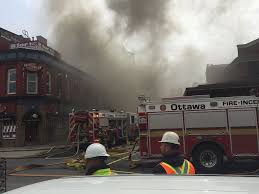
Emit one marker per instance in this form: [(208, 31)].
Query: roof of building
[(220, 86), (4, 32), (252, 43), (41, 57), (22, 53)]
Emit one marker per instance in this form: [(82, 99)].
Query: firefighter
[(96, 157), (173, 162)]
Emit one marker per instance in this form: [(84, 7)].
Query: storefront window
[(8, 127)]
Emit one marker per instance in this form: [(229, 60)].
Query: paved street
[(18, 181), (37, 174)]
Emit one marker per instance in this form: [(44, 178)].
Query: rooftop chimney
[(42, 40)]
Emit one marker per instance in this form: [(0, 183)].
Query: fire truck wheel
[(208, 158)]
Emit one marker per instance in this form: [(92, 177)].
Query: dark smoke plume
[(132, 47), (79, 36), (142, 14)]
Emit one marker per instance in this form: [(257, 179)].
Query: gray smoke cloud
[(105, 52), (150, 47), (150, 15)]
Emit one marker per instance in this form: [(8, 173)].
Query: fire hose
[(77, 150), (31, 166), (132, 163)]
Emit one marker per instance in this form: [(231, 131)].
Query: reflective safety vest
[(103, 172), (186, 168)]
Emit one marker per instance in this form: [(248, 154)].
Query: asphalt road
[(41, 172), (51, 172)]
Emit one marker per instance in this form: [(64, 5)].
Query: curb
[(30, 149), (36, 155)]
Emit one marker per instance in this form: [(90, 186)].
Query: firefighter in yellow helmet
[(173, 162), (96, 157)]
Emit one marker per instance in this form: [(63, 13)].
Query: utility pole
[(2, 175)]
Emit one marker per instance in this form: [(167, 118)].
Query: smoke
[(150, 47), (148, 15), (91, 37)]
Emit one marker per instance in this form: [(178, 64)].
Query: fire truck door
[(158, 124), (205, 125), (243, 131)]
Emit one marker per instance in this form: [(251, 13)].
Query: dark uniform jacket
[(175, 160), (91, 171)]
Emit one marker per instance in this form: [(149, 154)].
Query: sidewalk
[(20, 154), (26, 151)]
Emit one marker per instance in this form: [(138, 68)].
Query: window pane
[(32, 83), (32, 87), (12, 75), (32, 77), (11, 82), (12, 87)]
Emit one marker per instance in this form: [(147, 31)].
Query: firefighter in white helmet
[(96, 157), (173, 162)]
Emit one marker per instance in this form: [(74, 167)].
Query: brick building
[(240, 77), (37, 91)]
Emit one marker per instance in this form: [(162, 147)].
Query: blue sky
[(18, 15)]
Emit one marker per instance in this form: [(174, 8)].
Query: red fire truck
[(107, 127), (211, 129)]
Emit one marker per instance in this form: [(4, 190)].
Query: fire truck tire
[(208, 158)]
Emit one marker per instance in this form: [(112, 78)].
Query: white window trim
[(49, 89), (27, 84), (8, 81)]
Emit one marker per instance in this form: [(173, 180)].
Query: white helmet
[(95, 150), (170, 137)]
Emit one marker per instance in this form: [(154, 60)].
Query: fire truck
[(107, 127), (211, 130)]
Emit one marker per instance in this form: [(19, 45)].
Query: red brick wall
[(19, 79), (21, 82), (2, 79), (4, 44), (20, 130), (73, 89), (4, 71)]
